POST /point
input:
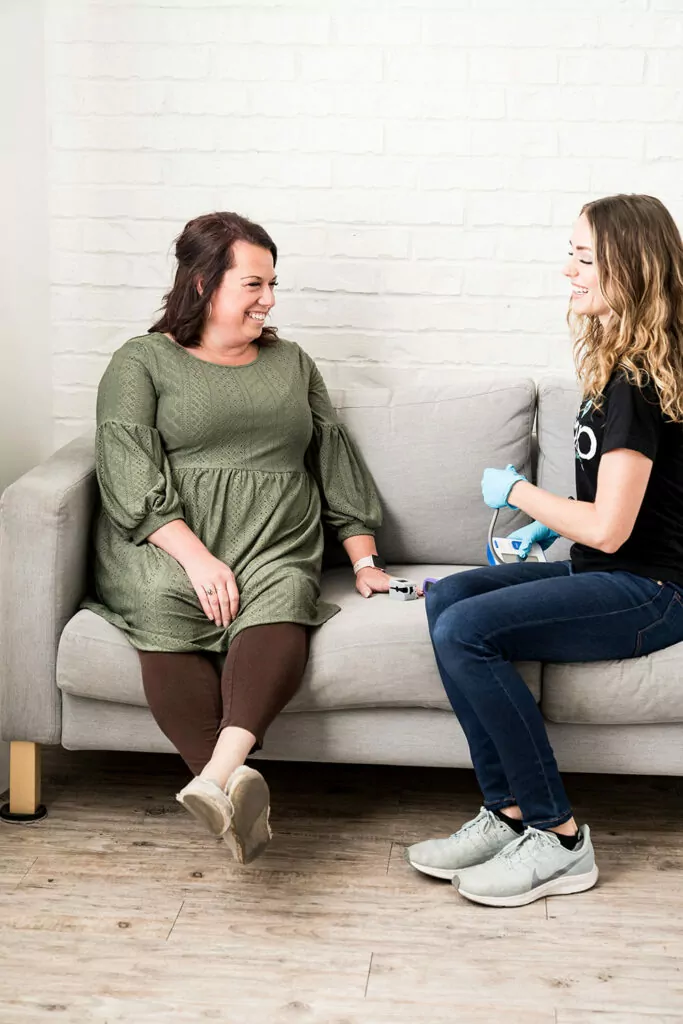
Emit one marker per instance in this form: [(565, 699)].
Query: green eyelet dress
[(251, 457)]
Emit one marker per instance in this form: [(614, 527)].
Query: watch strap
[(369, 561)]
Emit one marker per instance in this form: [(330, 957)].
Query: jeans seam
[(568, 618), (657, 622), (559, 819), (521, 717), (442, 673), (498, 805)]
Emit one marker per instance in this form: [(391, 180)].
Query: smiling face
[(245, 296), (586, 298)]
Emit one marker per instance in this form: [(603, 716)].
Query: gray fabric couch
[(371, 691)]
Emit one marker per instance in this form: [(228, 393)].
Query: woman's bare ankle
[(213, 772), (514, 812), (232, 748), (567, 828)]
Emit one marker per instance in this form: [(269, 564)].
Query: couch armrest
[(45, 519)]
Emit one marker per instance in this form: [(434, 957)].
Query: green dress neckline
[(207, 362)]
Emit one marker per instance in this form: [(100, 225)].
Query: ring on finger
[(210, 591)]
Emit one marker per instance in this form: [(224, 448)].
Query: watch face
[(378, 562)]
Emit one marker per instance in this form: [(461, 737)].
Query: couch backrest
[(427, 445), (558, 401)]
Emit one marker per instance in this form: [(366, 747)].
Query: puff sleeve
[(350, 503), (133, 472)]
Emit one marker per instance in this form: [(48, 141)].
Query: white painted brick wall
[(419, 165)]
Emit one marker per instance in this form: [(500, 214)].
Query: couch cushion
[(558, 402), (375, 653), (427, 447), (638, 691)]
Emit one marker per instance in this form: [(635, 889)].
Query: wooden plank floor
[(117, 907)]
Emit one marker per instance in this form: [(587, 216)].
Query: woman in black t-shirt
[(620, 595)]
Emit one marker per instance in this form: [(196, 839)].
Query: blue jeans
[(482, 620)]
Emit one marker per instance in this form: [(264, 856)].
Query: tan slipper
[(249, 831), (207, 802)]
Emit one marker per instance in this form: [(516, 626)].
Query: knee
[(441, 596), (453, 590), (456, 629), (449, 591), (434, 605)]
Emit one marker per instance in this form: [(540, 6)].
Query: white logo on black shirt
[(585, 441)]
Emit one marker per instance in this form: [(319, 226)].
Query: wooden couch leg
[(24, 784)]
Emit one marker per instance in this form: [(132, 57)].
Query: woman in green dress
[(218, 459)]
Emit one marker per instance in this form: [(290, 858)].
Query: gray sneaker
[(249, 831), (536, 865), (207, 802), (477, 841)]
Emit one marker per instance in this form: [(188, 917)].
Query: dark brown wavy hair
[(639, 260), (204, 251)]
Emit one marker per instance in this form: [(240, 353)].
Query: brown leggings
[(191, 701)]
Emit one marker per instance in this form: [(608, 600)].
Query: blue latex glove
[(496, 485), (534, 533)]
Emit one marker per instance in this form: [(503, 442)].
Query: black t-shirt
[(631, 417)]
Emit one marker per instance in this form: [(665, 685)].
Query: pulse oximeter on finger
[(402, 590)]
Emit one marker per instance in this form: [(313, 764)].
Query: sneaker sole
[(447, 874), (249, 832), (556, 887), (205, 811)]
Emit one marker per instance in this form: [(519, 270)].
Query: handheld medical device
[(502, 550)]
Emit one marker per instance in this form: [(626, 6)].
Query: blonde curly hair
[(638, 254)]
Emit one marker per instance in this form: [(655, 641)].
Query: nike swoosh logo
[(536, 880)]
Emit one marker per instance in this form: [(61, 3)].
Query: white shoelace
[(490, 821), (516, 849)]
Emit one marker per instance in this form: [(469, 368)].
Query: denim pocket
[(667, 630)]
